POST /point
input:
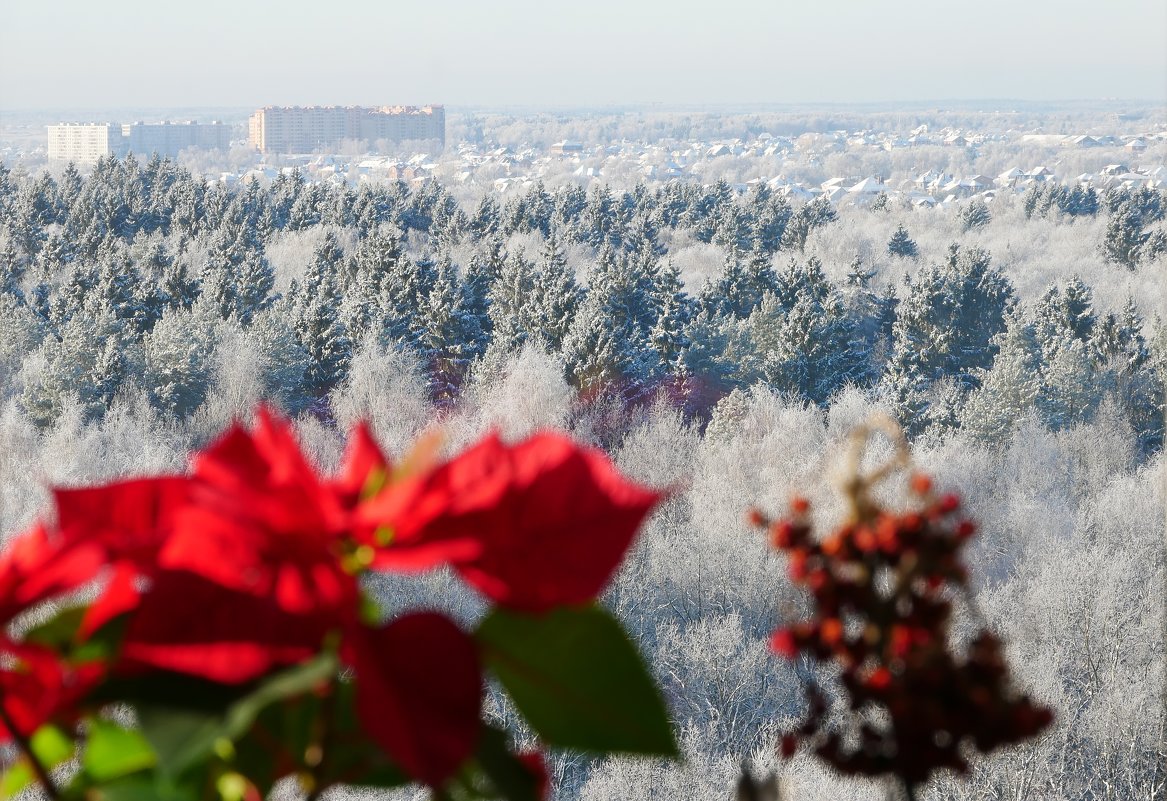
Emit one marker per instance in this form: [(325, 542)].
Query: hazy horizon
[(517, 53)]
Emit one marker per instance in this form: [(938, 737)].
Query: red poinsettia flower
[(364, 469), (37, 565), (260, 521), (37, 687), (419, 692), (430, 517), (532, 526), (189, 624), (129, 521)]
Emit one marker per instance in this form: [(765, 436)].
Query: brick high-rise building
[(296, 129)]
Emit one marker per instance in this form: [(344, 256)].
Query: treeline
[(131, 280)]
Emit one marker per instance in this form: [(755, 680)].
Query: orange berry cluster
[(882, 584)]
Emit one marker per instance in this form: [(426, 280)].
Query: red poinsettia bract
[(532, 526)]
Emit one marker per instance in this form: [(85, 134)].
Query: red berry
[(880, 679), (949, 503), (782, 642), (782, 534), (921, 484)]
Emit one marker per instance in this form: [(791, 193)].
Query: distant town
[(272, 129), (354, 145)]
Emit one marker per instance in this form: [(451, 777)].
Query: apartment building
[(86, 142), (169, 138), (302, 129)]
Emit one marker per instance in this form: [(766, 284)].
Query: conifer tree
[(284, 361), (740, 287), (809, 217), (1010, 388), (596, 359), (705, 360), (449, 333), (514, 315), (901, 244), (806, 347), (669, 335), (319, 329), (178, 359), (945, 328), (974, 215), (871, 316), (486, 220), (557, 294), (254, 281)]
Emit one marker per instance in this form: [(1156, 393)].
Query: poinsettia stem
[(22, 742), (322, 744)]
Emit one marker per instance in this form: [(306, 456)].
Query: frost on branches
[(228, 614)]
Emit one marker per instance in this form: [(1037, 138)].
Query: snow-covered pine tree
[(810, 216), (557, 294), (742, 284), (514, 313), (901, 244), (674, 309), (487, 217), (449, 333), (974, 215), (595, 359), (179, 358), (1009, 390), (254, 281), (283, 360), (945, 326), (316, 320), (871, 314), (804, 348)]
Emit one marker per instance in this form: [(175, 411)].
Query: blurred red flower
[(532, 526)]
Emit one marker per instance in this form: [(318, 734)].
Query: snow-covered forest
[(717, 343)]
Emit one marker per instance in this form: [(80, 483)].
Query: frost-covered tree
[(450, 337), (801, 340), (974, 215), (945, 327), (813, 215), (669, 335), (315, 306), (514, 313), (901, 244), (1010, 388), (557, 294), (179, 355)]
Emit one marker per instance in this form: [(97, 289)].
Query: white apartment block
[(170, 138), (86, 142), (296, 129)]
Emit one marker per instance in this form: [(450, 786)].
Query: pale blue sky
[(151, 53)]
